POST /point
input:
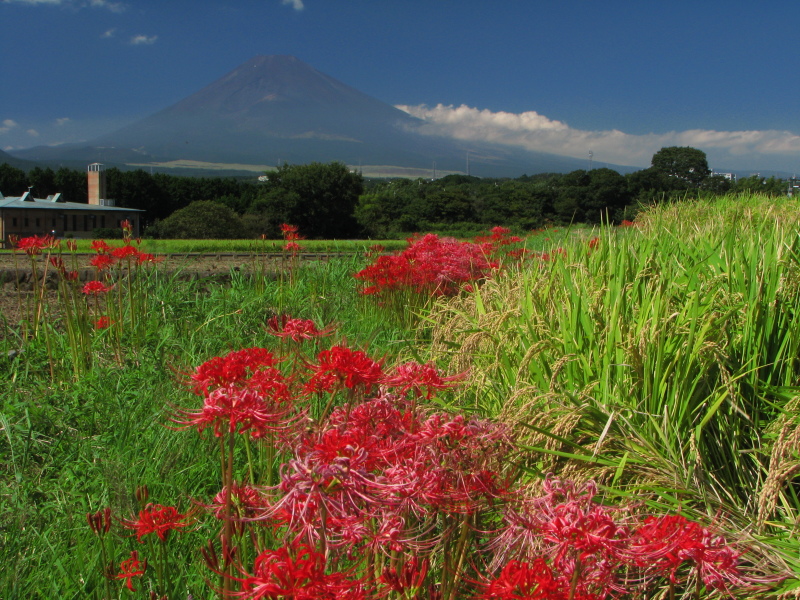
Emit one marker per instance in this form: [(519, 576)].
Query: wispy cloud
[(533, 131), (295, 4), (143, 40), (32, 133), (116, 7), (109, 33), (62, 121), (7, 125)]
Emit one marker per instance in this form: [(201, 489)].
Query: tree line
[(331, 201)]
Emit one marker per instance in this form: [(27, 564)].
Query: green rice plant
[(659, 363)]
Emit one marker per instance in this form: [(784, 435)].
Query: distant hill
[(276, 109), (19, 163)]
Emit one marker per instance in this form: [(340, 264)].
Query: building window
[(38, 222), (102, 221), (14, 221), (74, 222)]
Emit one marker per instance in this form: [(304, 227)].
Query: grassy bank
[(659, 361)]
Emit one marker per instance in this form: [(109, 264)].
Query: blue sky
[(618, 78)]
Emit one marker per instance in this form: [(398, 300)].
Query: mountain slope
[(275, 109)]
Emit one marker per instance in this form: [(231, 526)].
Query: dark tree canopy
[(201, 220), (683, 163), (318, 198)]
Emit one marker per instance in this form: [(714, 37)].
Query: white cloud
[(62, 121), (32, 133), (143, 40), (533, 131), (7, 125), (109, 33), (295, 4)]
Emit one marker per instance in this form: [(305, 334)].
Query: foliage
[(318, 198), (659, 361), (685, 164), (200, 220), (367, 474)]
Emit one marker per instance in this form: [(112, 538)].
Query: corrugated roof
[(56, 204)]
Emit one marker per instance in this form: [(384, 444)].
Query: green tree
[(682, 164), (201, 220), (319, 198), (13, 181)]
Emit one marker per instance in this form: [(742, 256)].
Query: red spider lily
[(416, 377), (594, 243), (102, 261), (35, 244), (144, 257), (580, 537), (102, 323), (100, 522), (131, 568), (72, 245), (341, 366), (297, 573), (70, 275), (626, 223), (235, 368), (663, 544), (95, 288), (431, 265), (409, 580), (292, 247), (231, 409), (296, 329), (379, 463), (527, 581), (126, 225), (123, 252), (246, 502), (100, 247), (287, 229), (57, 262), (158, 519)]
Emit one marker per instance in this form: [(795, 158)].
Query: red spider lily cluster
[(291, 237), (429, 265), (566, 545), (381, 496), (243, 391)]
